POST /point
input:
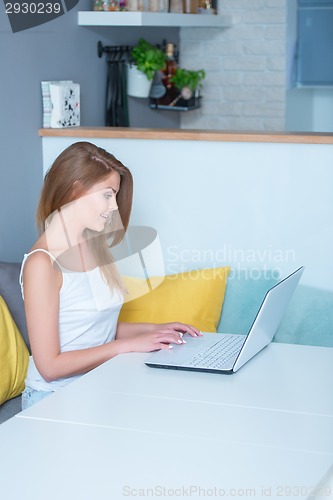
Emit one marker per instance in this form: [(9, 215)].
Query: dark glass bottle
[(168, 72)]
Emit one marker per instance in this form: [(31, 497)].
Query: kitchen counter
[(188, 135)]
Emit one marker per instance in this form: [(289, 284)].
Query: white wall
[(246, 67), (252, 205)]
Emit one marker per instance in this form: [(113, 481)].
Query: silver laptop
[(227, 353)]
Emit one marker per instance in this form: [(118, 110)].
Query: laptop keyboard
[(218, 354)]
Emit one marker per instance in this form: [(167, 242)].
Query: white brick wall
[(245, 66)]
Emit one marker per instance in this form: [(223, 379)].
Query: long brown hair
[(85, 164)]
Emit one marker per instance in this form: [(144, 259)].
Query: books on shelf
[(61, 104)]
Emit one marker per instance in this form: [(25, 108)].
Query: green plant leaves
[(148, 58), (187, 78)]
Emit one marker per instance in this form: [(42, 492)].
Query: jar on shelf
[(158, 5), (206, 7), (153, 5), (135, 5), (163, 5), (105, 5), (176, 6), (113, 5), (190, 6), (97, 5), (132, 5)]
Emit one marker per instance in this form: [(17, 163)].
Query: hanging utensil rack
[(124, 51), (115, 52)]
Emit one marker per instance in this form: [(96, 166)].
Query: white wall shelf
[(92, 18)]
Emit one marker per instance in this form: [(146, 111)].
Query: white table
[(124, 430)]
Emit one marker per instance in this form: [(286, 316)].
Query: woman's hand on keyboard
[(182, 328), (163, 337)]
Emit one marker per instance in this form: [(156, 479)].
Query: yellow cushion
[(14, 356), (195, 297)]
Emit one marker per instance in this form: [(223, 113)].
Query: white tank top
[(88, 317)]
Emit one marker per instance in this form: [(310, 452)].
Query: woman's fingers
[(184, 328), (164, 346), (170, 336)]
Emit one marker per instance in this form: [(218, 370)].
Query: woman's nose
[(113, 203)]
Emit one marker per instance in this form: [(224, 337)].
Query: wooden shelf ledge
[(187, 135)]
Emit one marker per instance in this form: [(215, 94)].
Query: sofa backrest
[(11, 292), (245, 291), (308, 319)]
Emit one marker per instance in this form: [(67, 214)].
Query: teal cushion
[(245, 292), (309, 318)]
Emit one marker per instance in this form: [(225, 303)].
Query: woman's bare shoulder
[(41, 264)]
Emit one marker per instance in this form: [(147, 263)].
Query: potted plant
[(147, 59), (188, 82)]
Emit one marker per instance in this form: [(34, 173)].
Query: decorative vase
[(138, 84)]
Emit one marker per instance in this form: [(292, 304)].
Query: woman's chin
[(98, 228)]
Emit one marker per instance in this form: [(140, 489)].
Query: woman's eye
[(108, 195)]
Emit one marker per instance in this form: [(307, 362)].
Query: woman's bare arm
[(42, 282)]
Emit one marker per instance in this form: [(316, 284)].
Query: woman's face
[(98, 203)]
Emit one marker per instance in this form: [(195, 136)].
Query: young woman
[(71, 288)]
